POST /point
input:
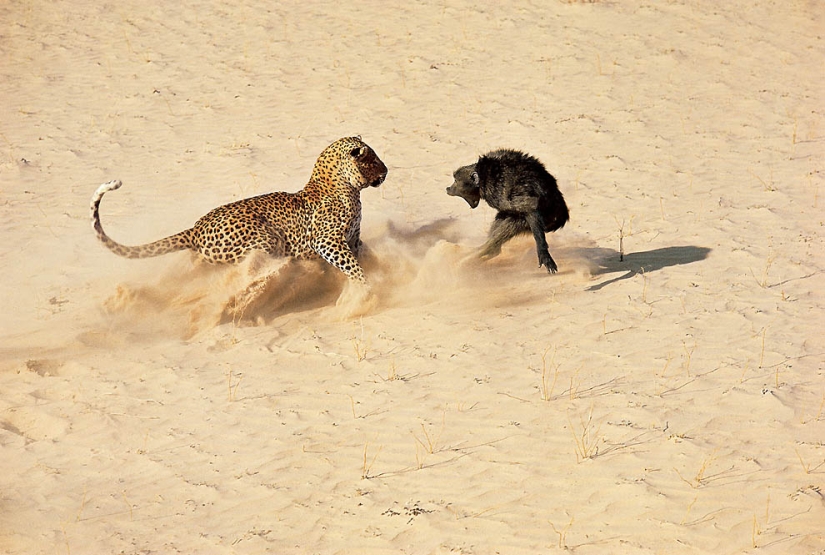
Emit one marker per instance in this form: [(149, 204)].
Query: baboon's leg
[(527, 209), (536, 222), (505, 227)]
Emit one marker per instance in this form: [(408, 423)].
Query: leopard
[(322, 220)]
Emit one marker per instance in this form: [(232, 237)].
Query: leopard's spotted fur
[(323, 219)]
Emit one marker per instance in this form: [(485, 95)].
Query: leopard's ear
[(358, 151)]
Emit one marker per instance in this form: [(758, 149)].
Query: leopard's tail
[(179, 241)]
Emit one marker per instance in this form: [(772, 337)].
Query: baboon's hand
[(547, 261)]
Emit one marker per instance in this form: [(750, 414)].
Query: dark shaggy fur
[(524, 193)]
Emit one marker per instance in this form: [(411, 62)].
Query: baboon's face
[(466, 185)]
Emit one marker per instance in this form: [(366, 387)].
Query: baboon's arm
[(536, 223)]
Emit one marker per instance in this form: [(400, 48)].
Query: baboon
[(524, 193)]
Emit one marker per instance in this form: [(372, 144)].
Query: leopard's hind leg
[(267, 241)]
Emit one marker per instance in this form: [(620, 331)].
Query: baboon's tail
[(177, 242)]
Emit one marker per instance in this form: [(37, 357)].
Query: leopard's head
[(352, 161)]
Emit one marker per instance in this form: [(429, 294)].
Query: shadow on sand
[(643, 262)]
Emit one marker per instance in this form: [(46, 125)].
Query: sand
[(671, 400)]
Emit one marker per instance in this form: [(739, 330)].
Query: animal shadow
[(610, 262)]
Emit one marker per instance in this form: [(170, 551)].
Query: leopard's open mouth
[(378, 181)]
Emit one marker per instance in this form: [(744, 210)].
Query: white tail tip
[(110, 186)]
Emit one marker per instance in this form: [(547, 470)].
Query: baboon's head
[(466, 185)]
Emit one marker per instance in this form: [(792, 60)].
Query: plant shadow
[(610, 261)]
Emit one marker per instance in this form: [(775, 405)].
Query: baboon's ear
[(475, 178), (359, 151)]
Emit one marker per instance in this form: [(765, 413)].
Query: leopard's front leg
[(341, 256)]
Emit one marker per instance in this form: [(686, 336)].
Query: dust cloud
[(405, 267)]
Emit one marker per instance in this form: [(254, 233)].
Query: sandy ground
[(669, 402)]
